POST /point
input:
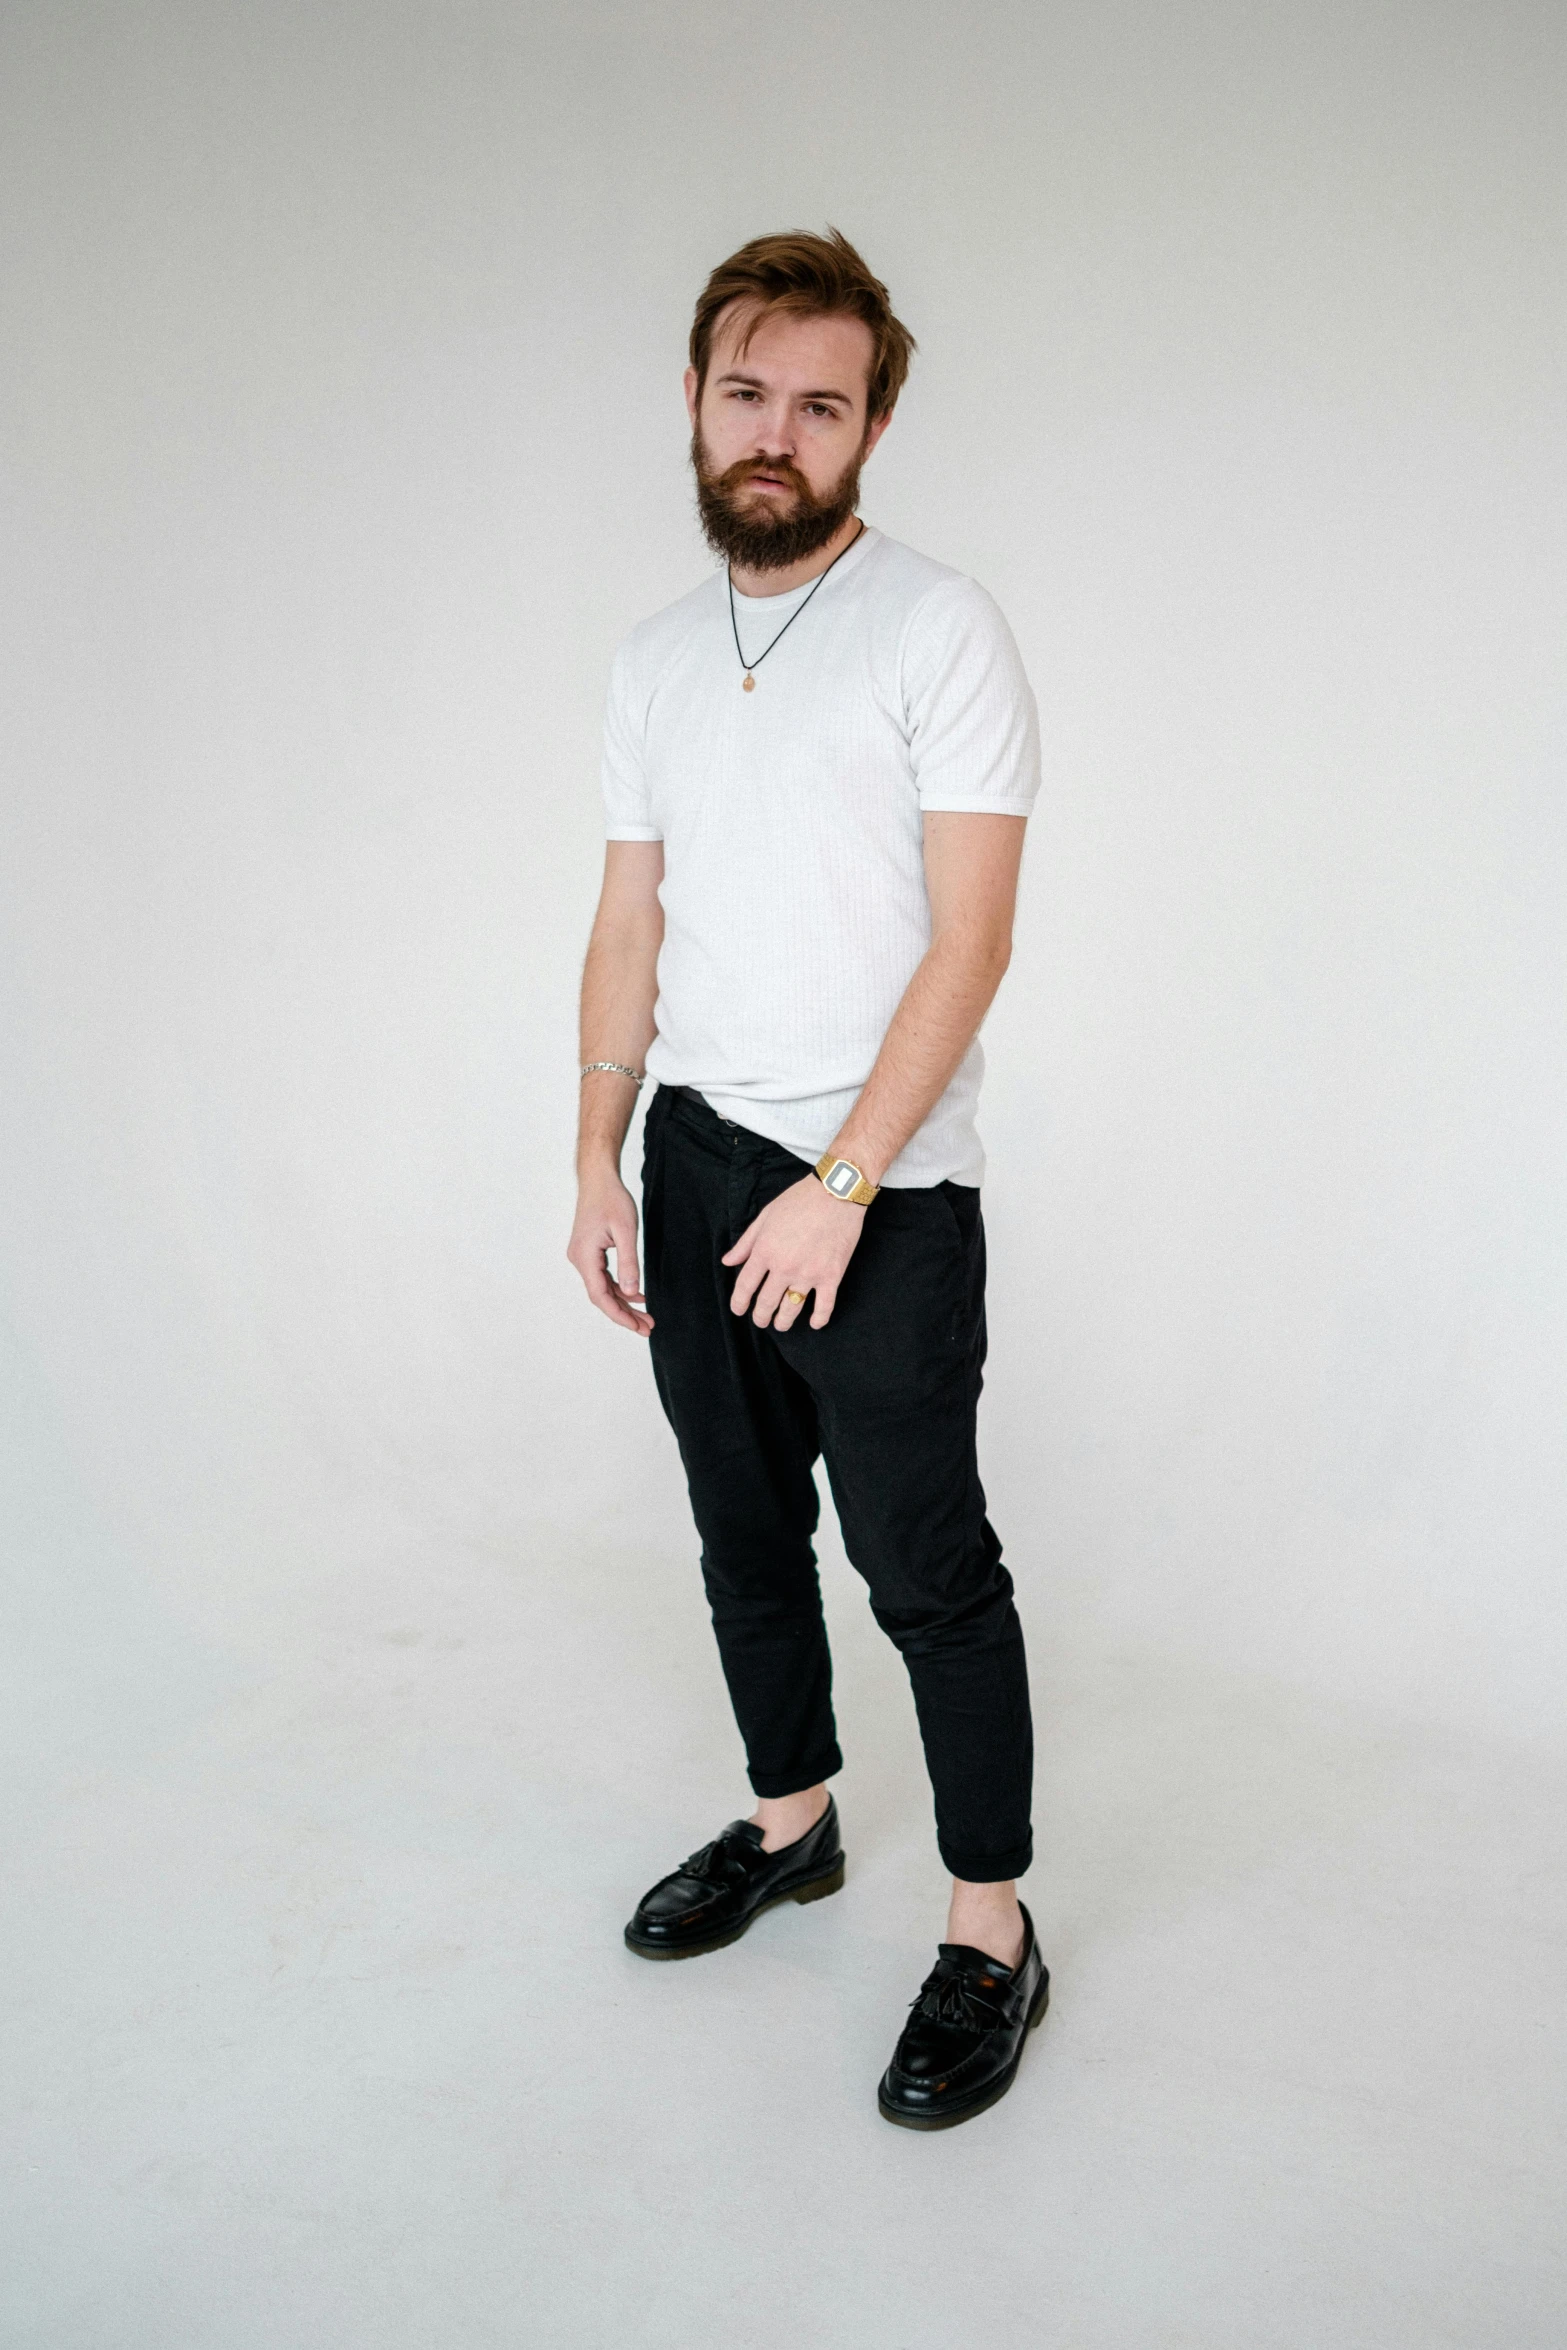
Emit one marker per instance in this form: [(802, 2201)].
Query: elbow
[(991, 955), (978, 956)]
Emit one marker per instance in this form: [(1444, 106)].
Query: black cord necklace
[(748, 682)]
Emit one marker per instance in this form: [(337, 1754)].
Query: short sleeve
[(973, 727), (628, 813)]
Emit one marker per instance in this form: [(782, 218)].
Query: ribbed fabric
[(795, 910)]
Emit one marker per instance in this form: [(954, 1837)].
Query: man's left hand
[(802, 1240)]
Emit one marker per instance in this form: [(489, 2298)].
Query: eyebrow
[(735, 375)]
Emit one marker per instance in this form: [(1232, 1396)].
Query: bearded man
[(818, 769)]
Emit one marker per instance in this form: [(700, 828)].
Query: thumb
[(623, 1239)]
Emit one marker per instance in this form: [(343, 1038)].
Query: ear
[(690, 381), (878, 426)]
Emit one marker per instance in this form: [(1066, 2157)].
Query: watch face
[(841, 1178)]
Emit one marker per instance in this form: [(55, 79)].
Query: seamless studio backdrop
[(357, 1665)]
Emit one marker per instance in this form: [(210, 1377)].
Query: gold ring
[(794, 1297)]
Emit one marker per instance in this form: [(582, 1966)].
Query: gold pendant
[(750, 683)]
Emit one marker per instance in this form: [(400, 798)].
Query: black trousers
[(887, 1393)]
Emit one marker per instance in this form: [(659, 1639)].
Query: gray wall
[(343, 440)]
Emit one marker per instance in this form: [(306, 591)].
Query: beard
[(749, 532)]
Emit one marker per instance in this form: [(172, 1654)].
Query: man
[(818, 768)]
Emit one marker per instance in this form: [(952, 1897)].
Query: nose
[(774, 434)]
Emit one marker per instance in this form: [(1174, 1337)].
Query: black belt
[(701, 1100)]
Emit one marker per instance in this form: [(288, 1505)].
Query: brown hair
[(807, 275)]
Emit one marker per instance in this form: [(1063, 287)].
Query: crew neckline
[(788, 595)]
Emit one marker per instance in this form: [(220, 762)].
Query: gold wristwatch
[(843, 1179)]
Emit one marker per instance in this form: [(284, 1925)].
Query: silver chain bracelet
[(616, 1069)]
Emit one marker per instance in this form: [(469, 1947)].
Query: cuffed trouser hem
[(772, 1784), (987, 1868)]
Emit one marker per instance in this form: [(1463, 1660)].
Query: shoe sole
[(987, 2097), (813, 1889)]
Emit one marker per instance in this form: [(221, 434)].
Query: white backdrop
[(344, 439)]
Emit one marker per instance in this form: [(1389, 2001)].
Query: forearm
[(619, 988), (934, 1025)]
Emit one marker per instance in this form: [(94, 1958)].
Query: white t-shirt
[(794, 899)]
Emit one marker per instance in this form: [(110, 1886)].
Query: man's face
[(780, 434)]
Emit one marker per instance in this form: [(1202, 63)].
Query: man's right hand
[(607, 1219)]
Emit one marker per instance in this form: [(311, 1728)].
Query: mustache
[(735, 477)]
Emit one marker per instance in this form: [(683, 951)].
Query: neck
[(796, 575)]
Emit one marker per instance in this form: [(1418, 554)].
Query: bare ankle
[(784, 1819), (987, 1918)]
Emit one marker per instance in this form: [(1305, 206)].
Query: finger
[(633, 1311), (623, 1239), (742, 1247), (769, 1299), (607, 1295), (790, 1308), (602, 1290), (752, 1274), (826, 1299)]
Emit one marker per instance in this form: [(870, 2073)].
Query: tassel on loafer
[(711, 1898)]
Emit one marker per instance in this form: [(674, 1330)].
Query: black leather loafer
[(963, 2042), (711, 1898)]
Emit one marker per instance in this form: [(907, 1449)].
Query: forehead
[(823, 351)]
